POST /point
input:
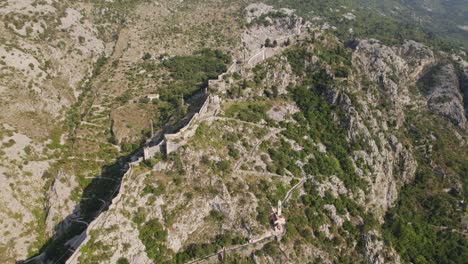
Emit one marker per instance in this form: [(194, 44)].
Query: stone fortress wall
[(177, 140), (172, 142), (267, 52)]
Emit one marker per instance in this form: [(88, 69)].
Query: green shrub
[(153, 236), (146, 56), (140, 216), (151, 189), (233, 152), (193, 251), (271, 249), (222, 167), (191, 73), (123, 260), (125, 97), (248, 111), (216, 215), (151, 162)]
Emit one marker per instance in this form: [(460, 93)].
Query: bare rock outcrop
[(390, 164), (59, 206), (441, 87), (392, 68), (373, 248)]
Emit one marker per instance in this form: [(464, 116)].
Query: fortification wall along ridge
[(172, 142), (100, 221), (179, 139)]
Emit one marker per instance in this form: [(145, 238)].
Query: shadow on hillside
[(96, 199), (195, 103), (98, 195)]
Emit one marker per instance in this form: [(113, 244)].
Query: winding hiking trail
[(288, 195), (255, 148), (256, 241), (83, 237), (263, 238)]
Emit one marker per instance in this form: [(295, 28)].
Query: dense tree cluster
[(425, 224), (153, 235), (194, 251), (191, 73)]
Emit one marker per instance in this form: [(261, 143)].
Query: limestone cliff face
[(442, 89), (376, 252), (387, 164), (58, 207), (394, 69)]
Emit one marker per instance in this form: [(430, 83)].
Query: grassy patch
[(249, 111)]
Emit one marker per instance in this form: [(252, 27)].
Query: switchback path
[(267, 236), (288, 195), (255, 148), (252, 242), (263, 173)]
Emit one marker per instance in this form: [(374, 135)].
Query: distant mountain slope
[(447, 18), (432, 20)]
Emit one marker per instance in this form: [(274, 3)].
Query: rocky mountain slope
[(363, 141), (47, 51)]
